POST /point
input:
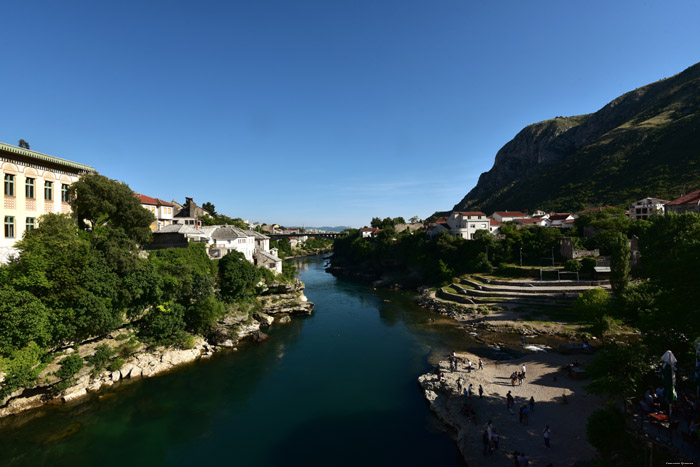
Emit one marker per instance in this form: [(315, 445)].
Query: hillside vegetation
[(644, 143)]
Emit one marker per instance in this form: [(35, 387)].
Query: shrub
[(100, 359), (21, 369), (587, 265), (116, 364), (163, 322), (573, 265), (70, 366), (237, 277), (203, 315)]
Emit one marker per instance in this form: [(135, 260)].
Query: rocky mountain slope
[(644, 143)]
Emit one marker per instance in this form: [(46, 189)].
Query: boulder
[(116, 376), (285, 319), (259, 336), (264, 319)]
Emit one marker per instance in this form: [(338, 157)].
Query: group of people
[(454, 361), (518, 376)]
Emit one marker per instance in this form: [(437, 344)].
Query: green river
[(333, 389)]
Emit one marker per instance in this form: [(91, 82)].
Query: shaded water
[(336, 388)]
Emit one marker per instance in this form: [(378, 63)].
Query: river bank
[(142, 361), (545, 382)]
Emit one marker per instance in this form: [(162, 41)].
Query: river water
[(335, 388)]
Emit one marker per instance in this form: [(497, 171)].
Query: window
[(9, 226), (29, 188), (64, 193), (48, 191), (31, 223), (9, 185)]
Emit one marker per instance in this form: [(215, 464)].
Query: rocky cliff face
[(643, 134)]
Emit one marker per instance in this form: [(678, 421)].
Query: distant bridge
[(280, 236)]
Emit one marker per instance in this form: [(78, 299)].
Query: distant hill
[(644, 143)]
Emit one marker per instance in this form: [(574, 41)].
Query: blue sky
[(318, 112)]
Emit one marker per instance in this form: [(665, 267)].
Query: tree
[(21, 369), (620, 264), (594, 306), (210, 208), (414, 219), (237, 277), (23, 144), (23, 319), (101, 203), (619, 371)]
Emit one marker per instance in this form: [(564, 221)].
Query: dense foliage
[(82, 277)]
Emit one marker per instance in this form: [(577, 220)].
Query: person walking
[(532, 404), (523, 370), (495, 439), (547, 433), (510, 402), (481, 365), (470, 390), (460, 385), (481, 392), (526, 414)]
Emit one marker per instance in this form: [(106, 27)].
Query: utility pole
[(521, 256)]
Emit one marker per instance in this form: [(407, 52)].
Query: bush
[(21, 369), (163, 322), (594, 306), (573, 265), (127, 349), (588, 264), (186, 341), (203, 315), (116, 364), (100, 359), (237, 277), (289, 271), (70, 366), (605, 430)]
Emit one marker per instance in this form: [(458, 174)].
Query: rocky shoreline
[(278, 306)]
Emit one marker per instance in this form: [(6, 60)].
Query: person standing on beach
[(532, 403), (510, 402), (460, 384), (523, 370), (481, 365), (481, 392), (547, 434)]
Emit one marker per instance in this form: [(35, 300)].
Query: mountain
[(644, 143)]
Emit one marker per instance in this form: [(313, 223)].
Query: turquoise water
[(335, 388)]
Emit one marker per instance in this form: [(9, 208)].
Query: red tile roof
[(494, 222), (153, 201), (510, 214), (369, 229), (690, 198), (470, 213)]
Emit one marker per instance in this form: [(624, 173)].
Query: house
[(369, 232), (465, 224), (161, 210), (262, 242), (529, 221), (268, 260), (647, 207), (188, 214), (494, 227), (508, 216), (561, 220), (226, 238), (434, 228), (33, 184), (687, 203)]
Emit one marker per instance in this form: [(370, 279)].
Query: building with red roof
[(161, 210), (687, 203)]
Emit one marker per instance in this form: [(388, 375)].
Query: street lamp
[(521, 257)]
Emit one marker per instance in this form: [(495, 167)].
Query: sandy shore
[(545, 382)]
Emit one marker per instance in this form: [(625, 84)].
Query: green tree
[(203, 315), (21, 369), (164, 323), (237, 277), (99, 202), (620, 264), (619, 371), (23, 319), (594, 306), (210, 208)]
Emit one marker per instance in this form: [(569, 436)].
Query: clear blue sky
[(318, 112)]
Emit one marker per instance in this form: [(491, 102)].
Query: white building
[(33, 184), (465, 224), (647, 207), (687, 203), (508, 216), (562, 220)]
